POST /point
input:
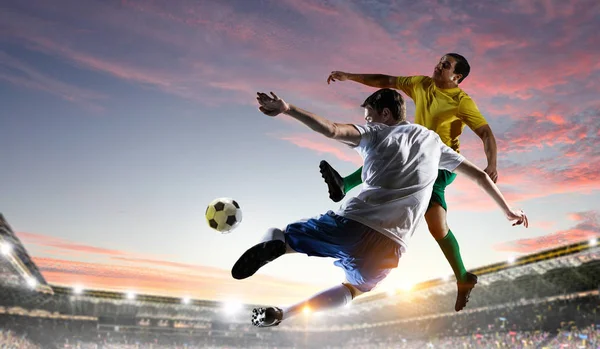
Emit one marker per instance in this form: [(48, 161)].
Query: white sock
[(334, 297), (277, 234), (273, 234)]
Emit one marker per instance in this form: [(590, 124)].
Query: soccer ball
[(223, 215)]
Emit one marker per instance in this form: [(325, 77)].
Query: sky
[(121, 120)]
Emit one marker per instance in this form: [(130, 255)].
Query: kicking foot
[(464, 291), (266, 317), (256, 257), (335, 182)]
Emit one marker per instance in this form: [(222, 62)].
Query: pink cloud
[(65, 245), (521, 183), (197, 282), (192, 50), (546, 225), (196, 76), (324, 147), (202, 30), (587, 228), (121, 271), (24, 75)]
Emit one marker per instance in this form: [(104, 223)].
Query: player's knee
[(354, 290), (436, 221), (273, 234), (289, 249)]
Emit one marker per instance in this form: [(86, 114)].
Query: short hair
[(461, 67), (387, 98)]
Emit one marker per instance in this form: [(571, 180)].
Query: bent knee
[(356, 290), (289, 249), (436, 220)]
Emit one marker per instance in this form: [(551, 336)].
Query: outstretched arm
[(373, 80), (344, 133), (483, 180)]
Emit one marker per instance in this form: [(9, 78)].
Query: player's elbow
[(480, 177), (333, 131), (472, 172), (485, 133), (387, 81)]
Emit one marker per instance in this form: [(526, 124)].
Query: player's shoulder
[(413, 129), (414, 79), (409, 126), (374, 126), (465, 101), (422, 80), (462, 94), (372, 129), (420, 130)]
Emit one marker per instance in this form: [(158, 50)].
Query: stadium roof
[(537, 263), (16, 267), (569, 270), (551, 273)]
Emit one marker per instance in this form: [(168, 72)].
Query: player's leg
[(438, 227), (366, 256), (304, 236), (331, 298), (337, 185), (276, 234), (367, 259), (257, 256)]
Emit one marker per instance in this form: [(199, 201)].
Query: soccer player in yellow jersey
[(445, 108)]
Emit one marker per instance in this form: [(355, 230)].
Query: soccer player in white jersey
[(369, 233)]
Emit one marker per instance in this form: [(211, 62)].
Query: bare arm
[(273, 106), (491, 151), (374, 80), (483, 180), (344, 133)]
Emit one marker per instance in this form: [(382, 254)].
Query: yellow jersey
[(444, 111)]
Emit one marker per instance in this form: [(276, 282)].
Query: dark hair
[(462, 66), (387, 98)]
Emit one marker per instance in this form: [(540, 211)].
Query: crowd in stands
[(11, 340), (568, 323)]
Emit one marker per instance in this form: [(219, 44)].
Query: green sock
[(352, 180), (451, 250)]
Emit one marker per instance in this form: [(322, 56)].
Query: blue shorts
[(366, 255)]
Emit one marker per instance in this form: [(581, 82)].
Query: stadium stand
[(546, 300)]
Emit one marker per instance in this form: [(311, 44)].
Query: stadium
[(544, 300)]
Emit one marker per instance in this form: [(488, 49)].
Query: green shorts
[(443, 180)]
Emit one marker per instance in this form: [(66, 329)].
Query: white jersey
[(401, 164)]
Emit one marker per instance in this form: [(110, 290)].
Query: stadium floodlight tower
[(14, 256)]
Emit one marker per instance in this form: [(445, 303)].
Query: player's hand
[(518, 216), (492, 172), (337, 75), (271, 106)]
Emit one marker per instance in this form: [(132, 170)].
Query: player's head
[(452, 67), (385, 106)]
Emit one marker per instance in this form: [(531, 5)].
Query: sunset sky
[(121, 120)]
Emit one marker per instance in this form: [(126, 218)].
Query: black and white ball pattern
[(223, 215)]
